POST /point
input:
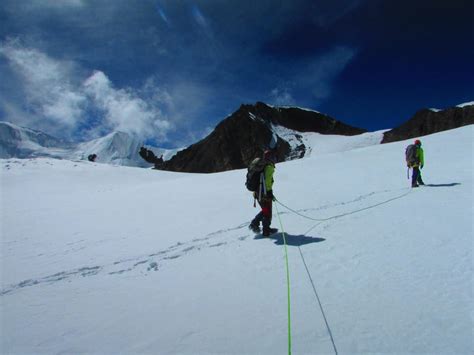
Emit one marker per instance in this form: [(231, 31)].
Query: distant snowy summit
[(22, 142), (116, 148), (242, 136)]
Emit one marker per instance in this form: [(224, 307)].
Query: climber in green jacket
[(264, 196), (417, 165)]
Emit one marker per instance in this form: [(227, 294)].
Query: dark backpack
[(410, 155), (254, 172)]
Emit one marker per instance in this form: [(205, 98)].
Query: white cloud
[(124, 110), (59, 101), (48, 84)]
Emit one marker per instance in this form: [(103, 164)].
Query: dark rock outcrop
[(232, 145), (151, 158), (238, 139), (302, 120), (427, 121)]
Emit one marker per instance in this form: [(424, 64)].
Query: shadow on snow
[(291, 240), (443, 185)]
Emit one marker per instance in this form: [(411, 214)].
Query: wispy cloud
[(313, 80), (49, 85), (60, 100), (188, 104), (211, 43), (124, 110), (333, 11), (282, 97), (199, 17), (163, 15), (320, 73), (201, 59), (55, 4)]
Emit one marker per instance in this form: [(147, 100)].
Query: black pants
[(265, 215), (416, 176)]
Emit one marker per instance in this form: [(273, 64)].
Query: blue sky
[(170, 70)]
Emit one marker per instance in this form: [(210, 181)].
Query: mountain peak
[(242, 136)]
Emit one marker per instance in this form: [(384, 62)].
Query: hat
[(417, 142), (269, 155)]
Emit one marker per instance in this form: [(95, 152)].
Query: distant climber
[(415, 159), (260, 181), (92, 157)]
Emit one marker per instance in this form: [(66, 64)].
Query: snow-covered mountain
[(242, 136), (102, 259), (235, 141), (116, 148), (21, 142)]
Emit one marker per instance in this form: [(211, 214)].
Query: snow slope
[(317, 143), (471, 103), (108, 259)]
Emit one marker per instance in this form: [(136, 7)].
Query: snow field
[(102, 259)]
